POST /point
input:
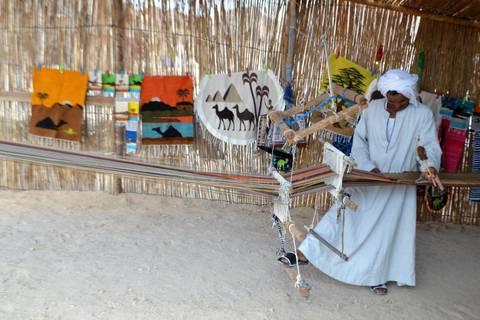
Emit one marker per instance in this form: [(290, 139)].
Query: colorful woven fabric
[(452, 142), (57, 103), (167, 110), (230, 106), (475, 192)]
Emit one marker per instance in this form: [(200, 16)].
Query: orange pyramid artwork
[(57, 103)]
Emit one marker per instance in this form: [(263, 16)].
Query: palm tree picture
[(349, 78), (183, 93), (261, 92), (250, 78), (42, 96)]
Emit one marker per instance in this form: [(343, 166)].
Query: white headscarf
[(400, 81)]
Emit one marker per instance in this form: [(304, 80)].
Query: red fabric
[(452, 142)]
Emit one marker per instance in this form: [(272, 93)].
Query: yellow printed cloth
[(57, 103), (350, 75)]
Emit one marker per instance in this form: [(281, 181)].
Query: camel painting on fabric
[(57, 103), (230, 106), (167, 110)]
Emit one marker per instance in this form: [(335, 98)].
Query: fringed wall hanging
[(453, 130), (230, 106), (94, 84), (167, 110), (475, 192), (350, 75), (108, 83), (131, 133), (120, 88), (58, 99)]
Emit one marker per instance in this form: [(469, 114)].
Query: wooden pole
[(292, 33), (119, 66), (426, 15), (119, 151), (119, 36)]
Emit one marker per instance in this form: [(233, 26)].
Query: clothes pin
[(108, 73), (229, 73), (82, 70), (338, 54), (209, 74), (143, 75), (38, 66), (373, 72), (266, 68), (61, 69), (121, 74), (95, 72)]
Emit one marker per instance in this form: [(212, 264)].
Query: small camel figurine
[(243, 116), (222, 115)]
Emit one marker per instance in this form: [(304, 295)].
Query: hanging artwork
[(122, 82), (349, 75), (57, 103), (167, 110), (230, 106), (475, 192), (94, 84), (108, 83), (135, 83)]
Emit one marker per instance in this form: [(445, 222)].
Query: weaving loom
[(336, 173)]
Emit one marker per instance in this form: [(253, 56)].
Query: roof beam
[(430, 16)]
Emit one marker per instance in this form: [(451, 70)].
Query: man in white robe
[(379, 238)]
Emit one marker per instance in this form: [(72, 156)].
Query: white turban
[(400, 81)]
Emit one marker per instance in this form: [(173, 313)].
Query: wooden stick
[(414, 11), (293, 276), (292, 136), (426, 165), (325, 242), (290, 226)]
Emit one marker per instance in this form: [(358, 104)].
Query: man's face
[(397, 102)]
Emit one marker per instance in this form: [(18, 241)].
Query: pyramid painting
[(57, 104), (230, 106), (167, 110)]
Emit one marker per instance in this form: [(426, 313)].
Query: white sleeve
[(360, 148), (428, 138)]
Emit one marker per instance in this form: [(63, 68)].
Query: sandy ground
[(86, 255)]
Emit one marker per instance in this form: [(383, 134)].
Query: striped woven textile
[(302, 181)]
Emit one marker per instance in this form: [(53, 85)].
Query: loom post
[(120, 152)]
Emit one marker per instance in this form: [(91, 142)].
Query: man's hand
[(434, 176)]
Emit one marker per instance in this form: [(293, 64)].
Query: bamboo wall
[(198, 36)]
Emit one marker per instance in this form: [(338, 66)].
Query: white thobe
[(379, 238)]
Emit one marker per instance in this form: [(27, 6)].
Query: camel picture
[(231, 105), (167, 110)]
